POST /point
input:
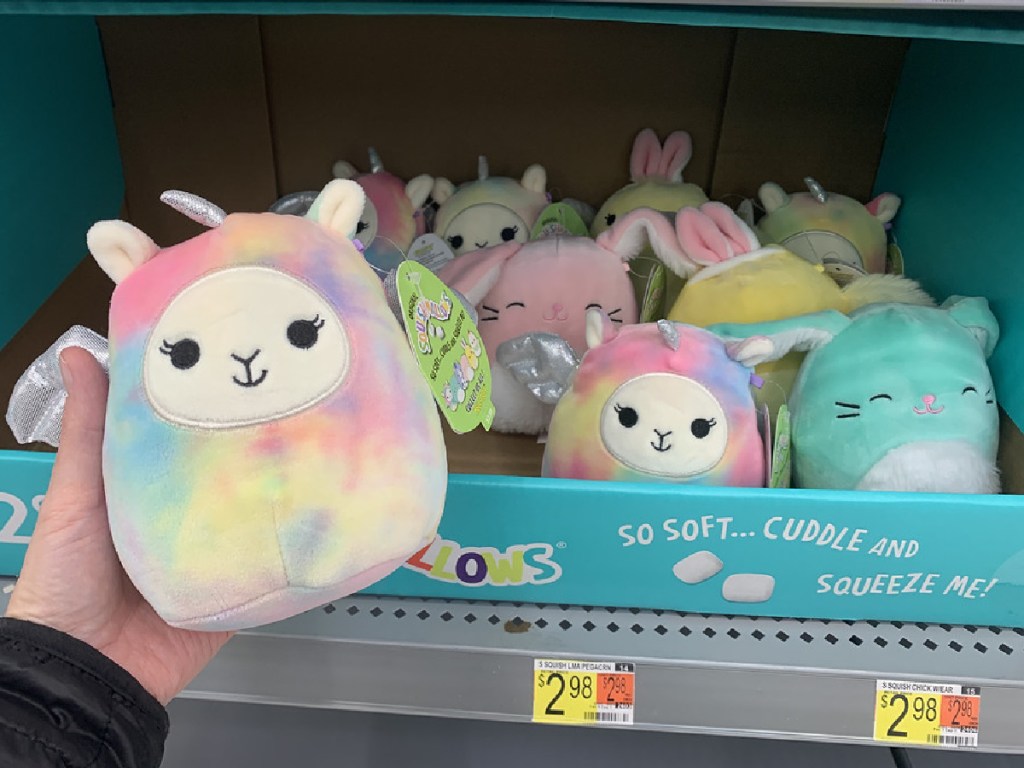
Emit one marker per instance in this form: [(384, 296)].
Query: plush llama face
[(250, 467), (658, 402), (846, 237), (489, 211), (547, 286), (393, 215), (900, 398)]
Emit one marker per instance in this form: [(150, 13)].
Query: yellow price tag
[(935, 714), (583, 692)]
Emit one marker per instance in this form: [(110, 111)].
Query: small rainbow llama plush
[(652, 402), (656, 182), (270, 445), (490, 210), (392, 217)]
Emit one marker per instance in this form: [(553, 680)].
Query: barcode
[(609, 717), (950, 740)]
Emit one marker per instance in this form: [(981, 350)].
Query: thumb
[(77, 479)]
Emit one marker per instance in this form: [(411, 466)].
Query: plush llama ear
[(474, 274), (675, 156), (535, 179), (119, 248), (973, 313), (600, 328), (772, 196), (646, 155), (344, 170), (755, 343), (884, 207), (339, 206), (443, 190), (418, 190), (644, 226)]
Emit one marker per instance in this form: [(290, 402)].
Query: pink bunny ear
[(701, 239), (644, 226), (741, 238), (474, 274), (646, 156), (677, 153)]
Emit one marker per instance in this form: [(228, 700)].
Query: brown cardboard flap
[(433, 93), (803, 104), (191, 113)]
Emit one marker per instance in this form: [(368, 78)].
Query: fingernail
[(65, 372)]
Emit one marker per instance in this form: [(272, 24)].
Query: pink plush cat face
[(548, 286)]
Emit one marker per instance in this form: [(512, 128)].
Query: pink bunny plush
[(544, 286)]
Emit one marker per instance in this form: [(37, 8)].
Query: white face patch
[(366, 229), (243, 346), (665, 424), (483, 226)]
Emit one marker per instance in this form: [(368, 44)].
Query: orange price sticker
[(615, 689), (961, 711)]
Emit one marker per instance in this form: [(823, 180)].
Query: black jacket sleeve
[(63, 704)]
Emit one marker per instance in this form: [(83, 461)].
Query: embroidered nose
[(246, 361), (556, 308), (929, 400)]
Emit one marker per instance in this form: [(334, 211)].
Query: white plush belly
[(933, 467)]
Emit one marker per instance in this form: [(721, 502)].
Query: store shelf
[(995, 21), (808, 680)]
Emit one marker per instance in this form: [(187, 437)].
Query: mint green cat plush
[(894, 397)]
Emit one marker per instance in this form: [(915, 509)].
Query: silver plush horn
[(816, 189), (483, 168), (376, 166), (196, 208), (669, 333)]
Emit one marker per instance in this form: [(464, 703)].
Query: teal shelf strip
[(943, 24)]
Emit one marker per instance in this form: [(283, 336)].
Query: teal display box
[(794, 553), (950, 152)]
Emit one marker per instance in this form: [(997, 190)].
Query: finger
[(77, 477)]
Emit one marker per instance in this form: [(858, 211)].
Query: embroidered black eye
[(880, 396), (362, 225), (609, 219), (969, 389), (509, 233), (515, 304), (305, 333), (455, 241), (701, 428), (627, 416), (184, 354)]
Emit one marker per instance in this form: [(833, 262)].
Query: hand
[(72, 580)]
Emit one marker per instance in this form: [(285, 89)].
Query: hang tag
[(430, 251), (447, 347), (651, 309), (894, 260), (780, 465), (559, 219)]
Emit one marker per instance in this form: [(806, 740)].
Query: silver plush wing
[(37, 403), (544, 363), (295, 204)]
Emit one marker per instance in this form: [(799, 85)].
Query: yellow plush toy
[(732, 279), (656, 182)]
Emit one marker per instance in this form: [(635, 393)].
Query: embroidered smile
[(249, 380)]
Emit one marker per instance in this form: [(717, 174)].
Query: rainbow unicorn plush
[(656, 402), (392, 217), (251, 471)]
